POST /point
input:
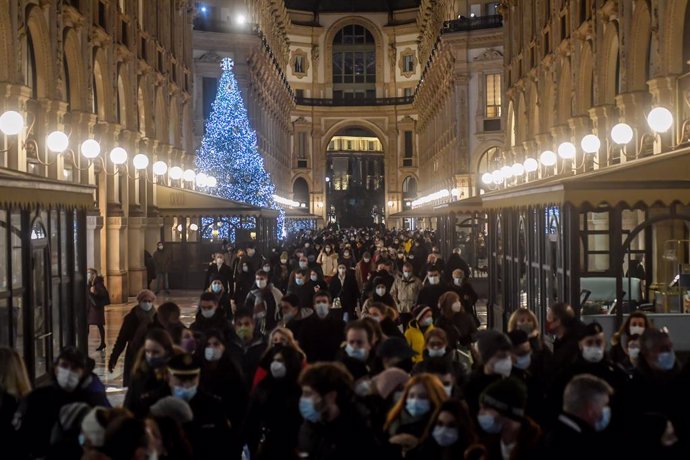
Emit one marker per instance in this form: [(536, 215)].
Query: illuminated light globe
[(498, 177), (590, 143), (160, 168), (189, 175), (507, 172), (90, 148), (118, 156), (193, 227), (548, 158), (140, 161), (201, 179), (176, 173), (211, 181), (518, 169), (531, 165), (240, 19), (621, 133), (660, 119), (57, 142), (11, 123), (567, 150), (487, 178)]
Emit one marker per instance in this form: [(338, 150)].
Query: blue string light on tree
[(229, 150)]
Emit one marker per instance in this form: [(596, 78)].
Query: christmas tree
[(229, 151)]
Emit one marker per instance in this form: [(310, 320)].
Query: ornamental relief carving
[(408, 63), (300, 63)]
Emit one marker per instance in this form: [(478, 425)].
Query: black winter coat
[(224, 380), (132, 335), (246, 356), (321, 338)]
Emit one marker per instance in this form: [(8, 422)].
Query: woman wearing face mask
[(380, 294), (344, 287), (384, 315), (279, 337), (149, 372), (280, 272), (244, 280), (635, 324), (508, 434), (217, 268), (316, 282), (411, 417), (328, 260), (422, 323), (456, 321), (221, 377), (273, 419), (218, 289), (133, 332), (451, 432), (437, 349)]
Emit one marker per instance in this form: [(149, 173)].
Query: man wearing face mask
[(264, 293), (255, 260), (592, 360), (209, 432), (133, 333), (244, 280), (291, 315), (432, 289), (334, 426), (363, 269), (280, 272), (659, 376), (535, 382), (321, 333), (162, 258), (585, 413), (357, 355), (209, 316), (494, 364), (246, 344), (40, 410), (405, 291), (219, 269), (301, 288), (508, 433)]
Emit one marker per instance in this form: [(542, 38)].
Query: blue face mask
[(445, 436), (184, 393), (308, 410), (666, 360), (417, 407), (299, 281), (523, 362), (605, 419), (356, 353), (216, 288), (488, 423)]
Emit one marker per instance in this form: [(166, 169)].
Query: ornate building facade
[(422, 79), (115, 72)]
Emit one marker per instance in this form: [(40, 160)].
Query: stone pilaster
[(136, 230), (116, 258), (603, 118)]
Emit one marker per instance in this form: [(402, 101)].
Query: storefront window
[(4, 282), (54, 244), (63, 242)]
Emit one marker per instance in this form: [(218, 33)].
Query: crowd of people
[(354, 344)]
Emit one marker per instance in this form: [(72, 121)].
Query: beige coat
[(405, 292)]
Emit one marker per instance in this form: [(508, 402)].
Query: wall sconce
[(391, 203)]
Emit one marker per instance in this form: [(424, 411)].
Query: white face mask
[(407, 275), (146, 306), (503, 366), (636, 330), (67, 379), (342, 271), (212, 354), (380, 292), (219, 261), (457, 281), (633, 353), (456, 307), (261, 283), (208, 312), (278, 369), (593, 354), (267, 268), (433, 280)]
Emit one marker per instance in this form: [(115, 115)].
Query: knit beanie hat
[(507, 397), (490, 342), (72, 414), (174, 408), (92, 428), (419, 311), (387, 381)]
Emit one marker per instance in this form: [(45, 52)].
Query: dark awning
[(175, 202), (26, 190)]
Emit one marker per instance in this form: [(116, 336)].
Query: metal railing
[(466, 24), (366, 101)]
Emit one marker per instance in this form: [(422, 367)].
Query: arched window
[(300, 191), (354, 63), (30, 68)]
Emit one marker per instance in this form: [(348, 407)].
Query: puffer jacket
[(415, 338), (329, 263), (405, 292)]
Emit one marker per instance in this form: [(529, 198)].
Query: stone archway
[(355, 177)]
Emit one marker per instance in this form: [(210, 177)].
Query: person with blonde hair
[(14, 385), (410, 418)]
